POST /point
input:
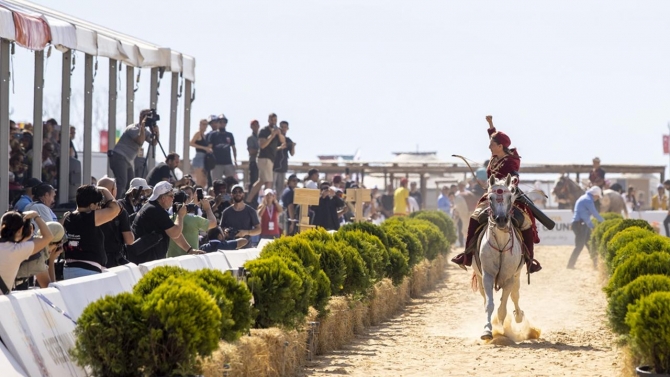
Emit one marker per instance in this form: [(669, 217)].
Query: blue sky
[(566, 80)]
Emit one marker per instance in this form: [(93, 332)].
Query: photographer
[(16, 244), (136, 195), (240, 220), (154, 223), (165, 172), (326, 213), (122, 157), (192, 223), (85, 248), (117, 232), (222, 199)]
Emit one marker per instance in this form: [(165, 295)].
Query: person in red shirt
[(503, 161), (268, 213)]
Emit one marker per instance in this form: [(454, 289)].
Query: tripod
[(151, 151)]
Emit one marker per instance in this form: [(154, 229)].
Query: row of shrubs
[(174, 317), (637, 261)]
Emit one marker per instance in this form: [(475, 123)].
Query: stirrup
[(534, 266)]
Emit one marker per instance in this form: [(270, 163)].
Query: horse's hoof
[(487, 335), (518, 317)]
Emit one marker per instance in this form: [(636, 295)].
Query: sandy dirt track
[(438, 334)]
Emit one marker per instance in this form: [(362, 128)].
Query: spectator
[(240, 218), (217, 242), (45, 196), (460, 213), (16, 244), (326, 213), (469, 197), (386, 201), (73, 133), (85, 248), (192, 223), (222, 199), (199, 142), (290, 208), (631, 200), (164, 171), (27, 198), (117, 232), (443, 203), (135, 197), (660, 200), (268, 213), (416, 194), (153, 222), (222, 142), (581, 221), (253, 147), (312, 179), (281, 158), (122, 157), (269, 140), (597, 174), (400, 201)]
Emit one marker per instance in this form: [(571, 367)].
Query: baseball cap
[(136, 183), (337, 178), (403, 181), (268, 191), (56, 229), (294, 177), (214, 118), (161, 188), (238, 186), (32, 182)]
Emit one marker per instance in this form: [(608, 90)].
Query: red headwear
[(502, 139)]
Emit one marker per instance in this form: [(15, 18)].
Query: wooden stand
[(359, 197), (305, 197)]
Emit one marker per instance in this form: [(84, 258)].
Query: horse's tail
[(474, 284)]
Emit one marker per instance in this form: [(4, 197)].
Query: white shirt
[(413, 204), (11, 255), (311, 185)]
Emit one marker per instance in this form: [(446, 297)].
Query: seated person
[(217, 241)]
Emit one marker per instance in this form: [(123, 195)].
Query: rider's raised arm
[(491, 130)]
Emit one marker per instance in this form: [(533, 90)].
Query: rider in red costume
[(503, 161)]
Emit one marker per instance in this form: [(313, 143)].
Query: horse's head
[(561, 187), (502, 194)]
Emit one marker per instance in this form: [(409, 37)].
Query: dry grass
[(277, 353)]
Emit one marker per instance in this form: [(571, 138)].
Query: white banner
[(562, 232)]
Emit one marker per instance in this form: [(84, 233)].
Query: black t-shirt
[(281, 157), (325, 214), (152, 218), (270, 150), (387, 202), (218, 210), (85, 241), (221, 142), (245, 219), (113, 237), (160, 172), (416, 195)]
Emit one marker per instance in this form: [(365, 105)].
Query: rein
[(497, 247)]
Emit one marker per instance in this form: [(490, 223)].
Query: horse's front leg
[(518, 313), (502, 309), (488, 289)]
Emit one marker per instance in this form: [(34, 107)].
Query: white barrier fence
[(37, 325), (562, 233)]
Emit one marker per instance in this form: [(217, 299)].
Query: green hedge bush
[(398, 266), (598, 231), (412, 243), (155, 277), (370, 249), (368, 228), (240, 300), (331, 260), (108, 335), (618, 227), (622, 239), (441, 220), (638, 265), (432, 240), (356, 278), (294, 248), (184, 323), (645, 245), (619, 302), (649, 324), (276, 290)]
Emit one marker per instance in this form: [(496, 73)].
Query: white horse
[(500, 254)]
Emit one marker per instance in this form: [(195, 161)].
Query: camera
[(176, 207), (151, 118), (230, 233), (199, 194), (191, 208)]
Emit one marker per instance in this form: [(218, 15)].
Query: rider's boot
[(528, 241), (465, 258)]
